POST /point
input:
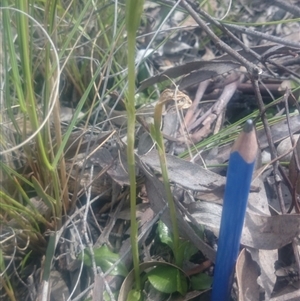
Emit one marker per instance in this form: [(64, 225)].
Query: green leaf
[(134, 295), (24, 261), (189, 250), (165, 234), (105, 259), (186, 250), (199, 229), (168, 279), (201, 282)]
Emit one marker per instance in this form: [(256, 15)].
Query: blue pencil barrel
[(237, 188)]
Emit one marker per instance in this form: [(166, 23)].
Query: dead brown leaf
[(247, 272)]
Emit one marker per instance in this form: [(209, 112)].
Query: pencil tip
[(248, 127), (246, 144)]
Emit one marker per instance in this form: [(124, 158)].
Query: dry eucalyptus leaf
[(186, 174), (280, 131), (208, 69), (270, 232), (207, 214), (247, 273), (259, 232), (206, 184), (258, 200), (286, 145), (265, 260)]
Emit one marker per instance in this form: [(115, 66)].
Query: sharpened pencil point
[(248, 127), (246, 144)]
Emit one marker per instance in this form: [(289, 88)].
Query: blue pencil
[(239, 175)]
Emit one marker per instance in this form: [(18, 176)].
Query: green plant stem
[(133, 15), (13, 58), (26, 64), (132, 178), (49, 257), (164, 170)]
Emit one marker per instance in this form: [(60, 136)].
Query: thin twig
[(293, 142), (87, 208), (191, 112), (270, 142), (280, 66), (262, 35), (221, 103)]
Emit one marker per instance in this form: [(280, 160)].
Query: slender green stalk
[(26, 66), (13, 58), (132, 176), (158, 137), (49, 257), (133, 15)]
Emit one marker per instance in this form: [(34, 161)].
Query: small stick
[(239, 175)]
